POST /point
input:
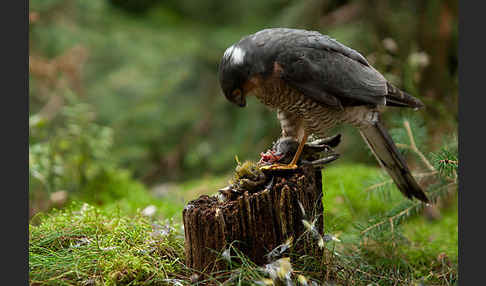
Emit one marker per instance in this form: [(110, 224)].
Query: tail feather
[(391, 160), (397, 97)]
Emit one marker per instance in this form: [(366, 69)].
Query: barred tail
[(391, 160)]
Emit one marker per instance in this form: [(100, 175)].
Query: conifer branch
[(378, 185), (405, 211), (384, 183)]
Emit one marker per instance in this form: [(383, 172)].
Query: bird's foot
[(279, 167), (319, 163)]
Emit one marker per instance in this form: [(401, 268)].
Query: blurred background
[(123, 94)]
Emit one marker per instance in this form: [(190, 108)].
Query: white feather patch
[(235, 54)]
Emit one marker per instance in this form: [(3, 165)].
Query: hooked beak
[(242, 102), (237, 98)]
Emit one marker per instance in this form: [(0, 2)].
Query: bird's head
[(234, 71), (240, 63)]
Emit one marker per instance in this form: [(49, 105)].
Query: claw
[(332, 141), (319, 163)]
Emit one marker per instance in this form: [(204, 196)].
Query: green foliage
[(74, 154), (151, 77), (440, 181), (68, 153), (134, 6), (400, 133), (117, 191), (153, 89), (446, 160)]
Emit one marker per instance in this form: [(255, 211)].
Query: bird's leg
[(293, 164)]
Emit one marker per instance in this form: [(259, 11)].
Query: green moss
[(433, 244), (345, 199), (84, 245), (421, 249), (247, 169)]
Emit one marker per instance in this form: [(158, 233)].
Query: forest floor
[(138, 239)]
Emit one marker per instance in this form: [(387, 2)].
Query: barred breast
[(296, 111)]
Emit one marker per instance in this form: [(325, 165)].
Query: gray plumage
[(315, 83)]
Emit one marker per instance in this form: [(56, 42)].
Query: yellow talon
[(279, 167)]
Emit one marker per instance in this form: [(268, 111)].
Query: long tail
[(391, 160), (397, 97)]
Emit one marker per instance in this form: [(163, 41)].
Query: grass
[(117, 191), (344, 200), (425, 250), (83, 245), (115, 244)]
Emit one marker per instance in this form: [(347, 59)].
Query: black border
[(471, 143), (14, 29)]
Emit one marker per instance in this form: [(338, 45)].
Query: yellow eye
[(236, 92)]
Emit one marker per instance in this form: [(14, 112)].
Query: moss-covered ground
[(115, 240)]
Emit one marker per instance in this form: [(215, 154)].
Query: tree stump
[(259, 220)]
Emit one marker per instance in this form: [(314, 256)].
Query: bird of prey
[(316, 83)]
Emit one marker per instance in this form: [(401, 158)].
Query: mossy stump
[(259, 220)]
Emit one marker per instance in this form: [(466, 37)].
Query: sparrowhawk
[(315, 83)]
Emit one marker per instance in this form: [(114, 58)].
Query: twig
[(447, 161), (413, 146)]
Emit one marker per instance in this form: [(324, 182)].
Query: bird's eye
[(236, 92)]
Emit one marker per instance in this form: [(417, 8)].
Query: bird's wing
[(330, 72)]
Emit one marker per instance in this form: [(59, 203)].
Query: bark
[(256, 222)]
